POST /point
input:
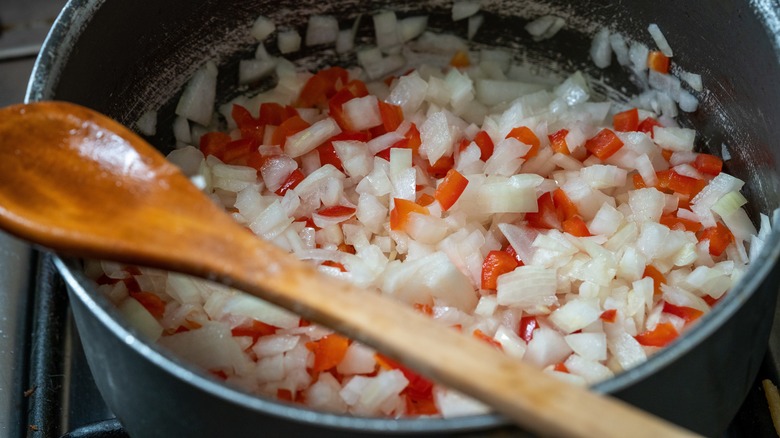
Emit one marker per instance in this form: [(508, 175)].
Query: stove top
[(46, 389)]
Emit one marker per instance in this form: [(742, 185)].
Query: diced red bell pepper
[(337, 211), (677, 223), (526, 328), (547, 216), (291, 182), (419, 391), (647, 125), (639, 183), (289, 127), (658, 278), (662, 335), (460, 59), (328, 351), (213, 143), (479, 334), (496, 263), (255, 329), (485, 144), (425, 200), (560, 367), (719, 236), (425, 309), (440, 168), (450, 189), (323, 85), (511, 251), (392, 116), (151, 302), (415, 141), (523, 134), (558, 142), (685, 185), (328, 155), (689, 314), (239, 151), (709, 164), (272, 113), (609, 315), (576, 227), (626, 121), (604, 144), (564, 205), (336, 265), (250, 127), (399, 215), (658, 61)]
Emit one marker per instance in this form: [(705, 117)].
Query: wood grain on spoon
[(81, 184)]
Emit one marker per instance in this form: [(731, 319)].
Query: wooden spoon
[(77, 182)]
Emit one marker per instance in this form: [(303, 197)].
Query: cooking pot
[(125, 58)]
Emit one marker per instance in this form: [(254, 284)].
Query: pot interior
[(124, 60)]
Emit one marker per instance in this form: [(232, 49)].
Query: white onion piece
[(432, 276), (675, 139), (590, 346), (271, 222), (492, 92), (188, 159), (307, 140), (545, 27), (197, 101), (618, 44), (262, 27), (638, 52), (464, 8), (362, 112), (600, 50), (507, 196), (140, 319), (345, 41), (321, 29), (590, 370), (358, 359), (384, 141), (437, 140), (410, 28), (511, 344), (276, 170), (288, 41), (475, 22), (324, 394), (692, 79), (147, 123), (355, 157), (576, 314), (527, 287), (718, 187), (646, 204), (386, 29), (547, 347), (660, 40), (409, 92), (210, 347), (252, 70)]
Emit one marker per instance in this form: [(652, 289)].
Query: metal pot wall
[(124, 58)]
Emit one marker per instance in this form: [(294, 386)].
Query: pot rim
[(56, 49)]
